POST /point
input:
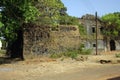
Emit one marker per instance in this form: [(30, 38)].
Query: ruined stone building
[(45, 39), (103, 44)]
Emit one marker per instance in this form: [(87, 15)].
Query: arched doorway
[(112, 45)]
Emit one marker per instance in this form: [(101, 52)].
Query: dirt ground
[(36, 69)]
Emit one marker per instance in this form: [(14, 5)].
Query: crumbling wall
[(67, 37), (44, 40)]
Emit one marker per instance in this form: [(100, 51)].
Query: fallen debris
[(105, 61)]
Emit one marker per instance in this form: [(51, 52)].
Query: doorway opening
[(112, 45)]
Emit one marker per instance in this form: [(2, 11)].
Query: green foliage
[(14, 14), (118, 55), (84, 51), (112, 24), (42, 12), (55, 55), (72, 53), (1, 24), (50, 11), (2, 51), (53, 13), (30, 12), (70, 20)]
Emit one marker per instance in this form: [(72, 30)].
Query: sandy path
[(48, 69), (107, 72)]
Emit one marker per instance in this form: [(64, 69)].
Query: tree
[(15, 13), (112, 24), (50, 11), (1, 24)]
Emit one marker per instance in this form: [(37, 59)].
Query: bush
[(86, 52), (56, 55), (72, 53), (118, 55), (2, 51)]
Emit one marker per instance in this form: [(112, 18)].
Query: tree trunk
[(15, 48)]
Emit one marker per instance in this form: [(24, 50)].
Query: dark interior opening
[(112, 45), (93, 29)]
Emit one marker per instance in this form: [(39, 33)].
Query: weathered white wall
[(117, 43), (101, 45)]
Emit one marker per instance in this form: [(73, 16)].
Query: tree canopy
[(50, 11), (14, 14), (1, 24), (112, 24)]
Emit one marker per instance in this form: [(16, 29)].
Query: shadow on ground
[(116, 78), (7, 60)]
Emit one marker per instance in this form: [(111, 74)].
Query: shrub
[(72, 53), (86, 51), (56, 55), (118, 55), (2, 51)]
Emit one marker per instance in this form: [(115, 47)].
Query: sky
[(78, 8)]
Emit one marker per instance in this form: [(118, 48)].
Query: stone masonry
[(45, 39)]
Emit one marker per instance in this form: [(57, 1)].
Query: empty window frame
[(94, 45), (93, 30)]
